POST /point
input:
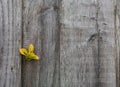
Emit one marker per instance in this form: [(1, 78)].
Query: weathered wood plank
[(117, 40), (49, 71), (10, 42), (31, 34), (105, 22), (87, 43), (40, 28), (77, 27)]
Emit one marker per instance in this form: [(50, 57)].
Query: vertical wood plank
[(40, 28), (117, 40), (49, 71), (77, 52), (31, 35), (87, 43), (106, 43), (10, 42)]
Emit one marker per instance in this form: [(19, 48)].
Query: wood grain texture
[(31, 35), (106, 43), (87, 43), (49, 71), (117, 40), (40, 28), (77, 42), (10, 42)]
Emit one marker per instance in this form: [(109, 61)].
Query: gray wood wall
[(78, 42)]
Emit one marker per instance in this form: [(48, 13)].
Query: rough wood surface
[(31, 35), (117, 40), (10, 42), (87, 43), (49, 71), (40, 27), (77, 42)]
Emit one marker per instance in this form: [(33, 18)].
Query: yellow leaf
[(35, 57), (23, 51), (31, 48)]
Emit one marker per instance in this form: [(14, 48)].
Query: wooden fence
[(78, 43)]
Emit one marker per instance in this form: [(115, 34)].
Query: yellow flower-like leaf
[(23, 51), (36, 57), (31, 48), (29, 54)]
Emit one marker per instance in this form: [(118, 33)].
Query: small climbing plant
[(29, 53)]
